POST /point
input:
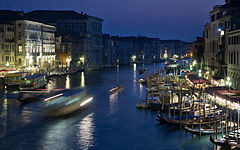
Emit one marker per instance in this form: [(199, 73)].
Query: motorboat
[(116, 89), (66, 102)]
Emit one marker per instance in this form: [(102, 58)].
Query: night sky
[(166, 19)]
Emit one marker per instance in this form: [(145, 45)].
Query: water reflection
[(85, 132), (134, 72), (51, 84), (82, 80), (3, 118), (141, 89), (134, 77), (67, 85), (26, 115), (113, 100), (56, 135)]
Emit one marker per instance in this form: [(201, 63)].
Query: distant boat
[(142, 81), (115, 89)]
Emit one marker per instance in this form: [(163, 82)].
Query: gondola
[(203, 131), (218, 142)]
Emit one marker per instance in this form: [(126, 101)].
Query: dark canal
[(110, 122)]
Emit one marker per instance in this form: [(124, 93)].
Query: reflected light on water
[(82, 80), (113, 100), (67, 84), (56, 135), (141, 89), (51, 84), (26, 115), (3, 118), (134, 76), (85, 132)]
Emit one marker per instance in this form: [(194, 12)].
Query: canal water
[(109, 122)]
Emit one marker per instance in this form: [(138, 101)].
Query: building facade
[(7, 46), (223, 18), (233, 58), (198, 50), (84, 31), (35, 45)]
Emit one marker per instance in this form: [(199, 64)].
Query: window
[(19, 35), (213, 18), (19, 25), (7, 58), (20, 48)]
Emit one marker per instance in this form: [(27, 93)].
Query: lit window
[(20, 48)]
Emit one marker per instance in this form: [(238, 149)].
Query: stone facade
[(7, 46), (35, 45), (223, 18), (233, 58)]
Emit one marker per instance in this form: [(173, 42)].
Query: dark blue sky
[(166, 19)]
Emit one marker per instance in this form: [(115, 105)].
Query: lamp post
[(228, 83)]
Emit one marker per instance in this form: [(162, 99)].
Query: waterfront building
[(85, 33), (27, 43), (233, 58), (63, 52), (35, 45), (223, 18), (197, 50), (7, 45), (109, 57), (176, 47)]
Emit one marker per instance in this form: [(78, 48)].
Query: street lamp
[(228, 83)]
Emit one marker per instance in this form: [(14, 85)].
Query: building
[(84, 31), (223, 18), (26, 44), (197, 50), (233, 69), (7, 45), (63, 52), (110, 56), (35, 45)]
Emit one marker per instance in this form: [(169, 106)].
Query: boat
[(32, 82), (218, 142), (25, 97), (203, 131), (14, 79), (115, 89), (142, 81), (66, 102)]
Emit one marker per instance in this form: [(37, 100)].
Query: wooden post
[(180, 97)]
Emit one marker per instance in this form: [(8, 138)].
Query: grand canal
[(110, 122)]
